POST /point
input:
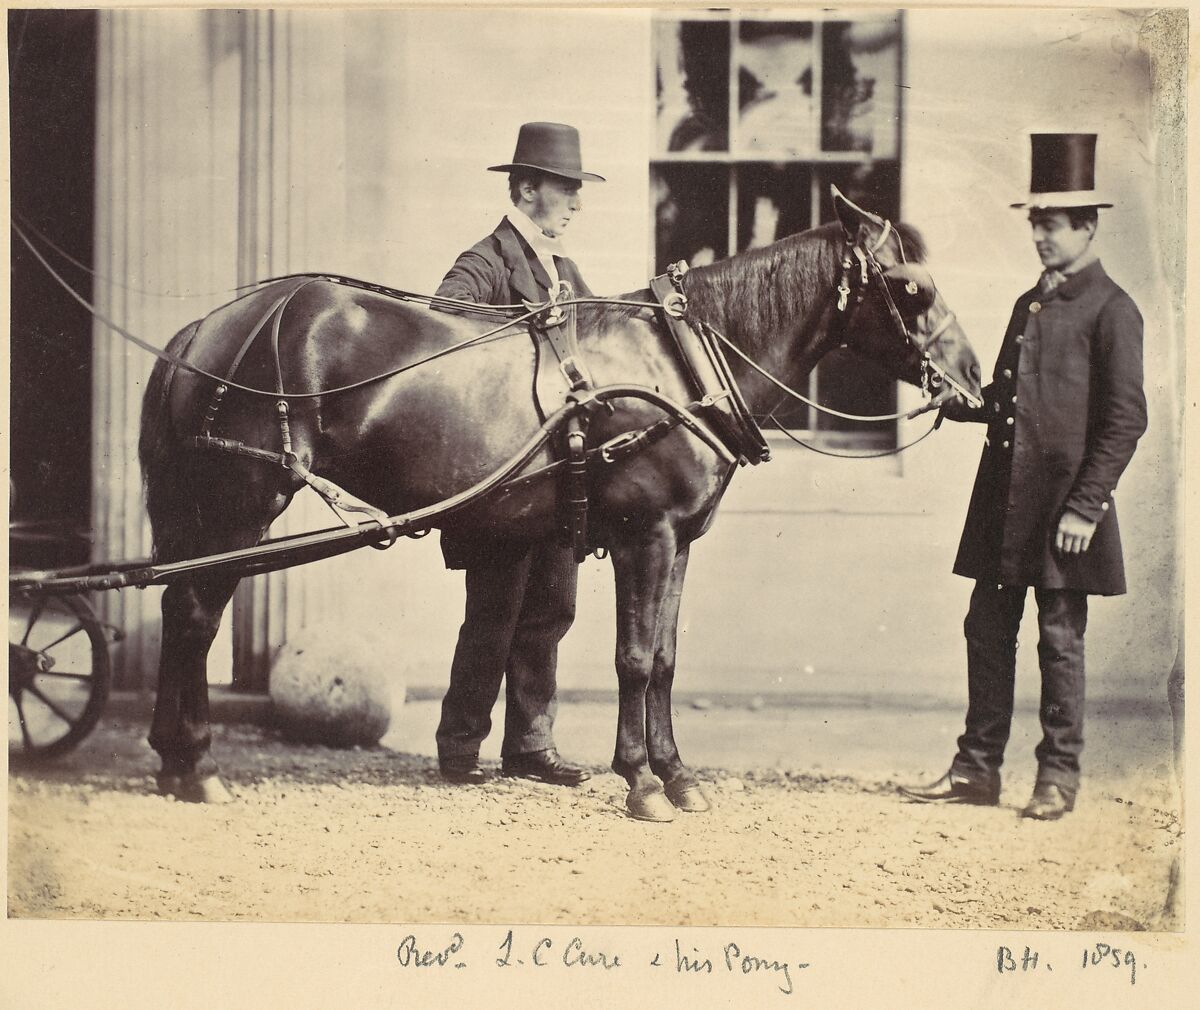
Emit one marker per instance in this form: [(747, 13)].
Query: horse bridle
[(933, 376)]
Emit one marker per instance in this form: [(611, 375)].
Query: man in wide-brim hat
[(1064, 411), (520, 594)]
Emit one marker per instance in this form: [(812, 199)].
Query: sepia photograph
[(568, 469)]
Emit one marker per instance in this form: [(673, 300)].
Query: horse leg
[(191, 615), (681, 785), (642, 573), (180, 733)]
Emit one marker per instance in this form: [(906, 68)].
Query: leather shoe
[(462, 770), (544, 766), (955, 788), (1049, 802)]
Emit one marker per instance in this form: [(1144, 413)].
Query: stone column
[(220, 160), (163, 248), (291, 218)]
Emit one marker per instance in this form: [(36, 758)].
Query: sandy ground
[(375, 836)]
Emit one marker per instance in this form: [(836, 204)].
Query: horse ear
[(852, 217)]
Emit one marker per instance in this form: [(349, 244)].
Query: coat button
[(1020, 337), (1008, 373), (996, 406), (1005, 445), (1035, 307), (1008, 420), (1104, 506), (1014, 399)]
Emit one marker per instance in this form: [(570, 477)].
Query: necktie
[(1050, 280)]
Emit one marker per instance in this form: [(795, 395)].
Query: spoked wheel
[(58, 674)]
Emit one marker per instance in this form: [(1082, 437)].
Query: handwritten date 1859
[(1114, 957)]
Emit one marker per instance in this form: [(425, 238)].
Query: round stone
[(333, 688)]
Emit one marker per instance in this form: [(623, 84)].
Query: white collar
[(539, 241)]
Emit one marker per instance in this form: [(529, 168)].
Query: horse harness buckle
[(556, 322), (554, 325)]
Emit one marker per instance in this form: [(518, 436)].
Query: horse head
[(890, 310)]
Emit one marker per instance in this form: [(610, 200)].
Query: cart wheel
[(58, 674)]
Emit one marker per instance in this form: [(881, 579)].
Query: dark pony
[(424, 434)]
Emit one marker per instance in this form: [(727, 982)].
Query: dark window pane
[(691, 213), (855, 385), (692, 85), (873, 186), (774, 200)]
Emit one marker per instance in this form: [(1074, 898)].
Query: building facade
[(235, 145)]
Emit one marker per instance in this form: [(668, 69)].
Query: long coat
[(500, 269), (1064, 411)]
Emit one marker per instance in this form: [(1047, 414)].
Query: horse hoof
[(194, 789), (688, 797), (650, 806)]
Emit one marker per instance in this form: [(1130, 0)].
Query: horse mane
[(780, 286), (755, 292), (765, 291), (600, 315)]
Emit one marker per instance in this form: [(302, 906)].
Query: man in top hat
[(1064, 411), (520, 595)]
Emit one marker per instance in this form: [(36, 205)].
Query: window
[(755, 117)]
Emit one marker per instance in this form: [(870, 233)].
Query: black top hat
[(549, 147), (1063, 172)]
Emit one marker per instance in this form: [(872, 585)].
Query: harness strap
[(576, 491), (707, 368), (502, 480), (337, 498), (555, 324), (214, 404), (617, 448)]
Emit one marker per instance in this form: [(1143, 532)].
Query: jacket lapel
[(527, 278)]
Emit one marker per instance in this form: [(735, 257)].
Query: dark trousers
[(518, 610), (991, 631)]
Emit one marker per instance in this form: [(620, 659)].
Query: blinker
[(912, 288)]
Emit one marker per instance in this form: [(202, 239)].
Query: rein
[(851, 455), (865, 258), (281, 303), (932, 374)]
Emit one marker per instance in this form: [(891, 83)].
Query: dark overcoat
[(501, 269), (1064, 411)]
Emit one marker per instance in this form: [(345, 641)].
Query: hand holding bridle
[(1074, 534)]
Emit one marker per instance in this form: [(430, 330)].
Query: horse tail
[(170, 501)]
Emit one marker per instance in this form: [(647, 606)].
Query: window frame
[(820, 165)]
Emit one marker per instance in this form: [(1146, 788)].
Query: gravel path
[(375, 836)]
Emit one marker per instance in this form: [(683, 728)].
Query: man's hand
[(1074, 534), (957, 409)]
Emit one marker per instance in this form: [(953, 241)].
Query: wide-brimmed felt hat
[(549, 147), (1063, 172)]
